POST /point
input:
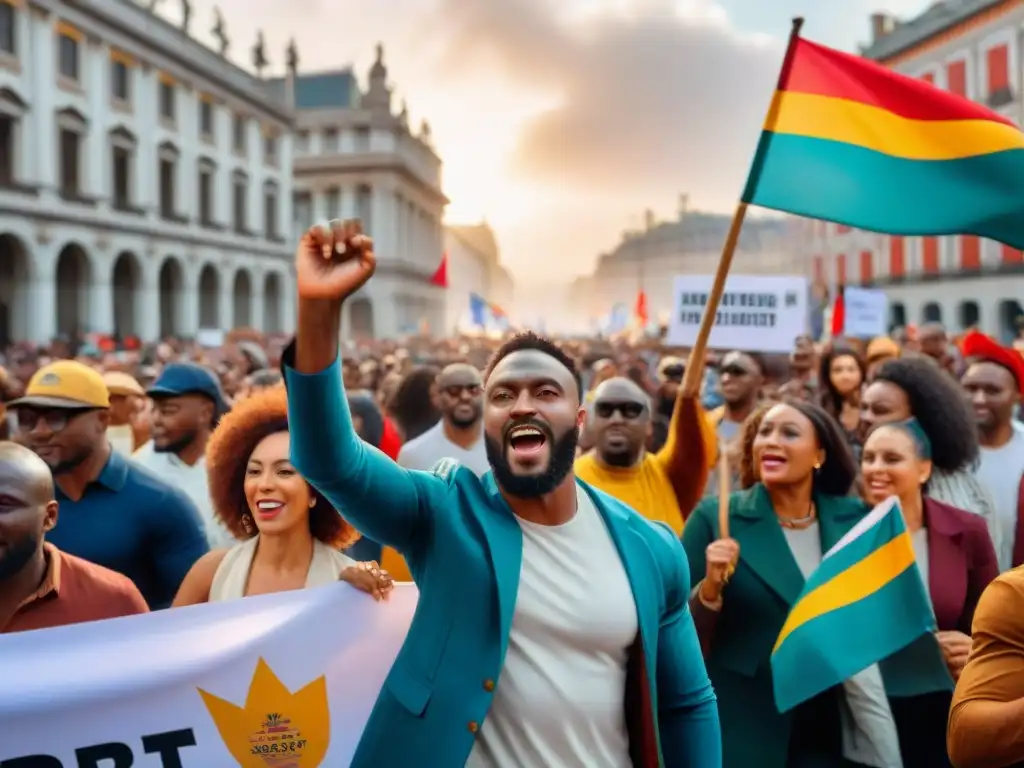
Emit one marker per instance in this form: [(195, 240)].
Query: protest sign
[(264, 682), (758, 313), (865, 312)]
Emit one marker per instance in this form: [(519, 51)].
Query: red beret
[(978, 346)]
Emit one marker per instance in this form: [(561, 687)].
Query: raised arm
[(689, 451), (986, 721), (687, 708), (382, 500)]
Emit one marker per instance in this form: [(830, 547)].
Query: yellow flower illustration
[(276, 728)]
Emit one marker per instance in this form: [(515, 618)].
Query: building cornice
[(166, 46), (311, 168)]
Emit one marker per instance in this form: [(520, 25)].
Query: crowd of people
[(150, 478)]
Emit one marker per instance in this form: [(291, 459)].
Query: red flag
[(839, 315), (440, 278), (640, 311)]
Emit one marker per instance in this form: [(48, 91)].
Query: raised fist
[(333, 262)]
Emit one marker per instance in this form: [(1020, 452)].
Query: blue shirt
[(132, 522)]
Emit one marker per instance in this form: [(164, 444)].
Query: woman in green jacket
[(796, 509)]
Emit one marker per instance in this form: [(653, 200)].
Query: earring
[(817, 466), (312, 502), (247, 523)]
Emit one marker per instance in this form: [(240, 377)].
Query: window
[(68, 57), (332, 202), (238, 134), (8, 27), (956, 77), (206, 172), (270, 211), (120, 81), (362, 140), (70, 163), (167, 100), (302, 141), (270, 149), (121, 174), (8, 128), (167, 187), (239, 193), (330, 140), (206, 119)]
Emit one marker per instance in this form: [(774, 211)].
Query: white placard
[(244, 682), (758, 313), (866, 312)]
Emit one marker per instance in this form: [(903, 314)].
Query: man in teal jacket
[(552, 627)]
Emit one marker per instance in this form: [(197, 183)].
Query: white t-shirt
[(560, 697), (999, 471), (192, 480), (433, 445)]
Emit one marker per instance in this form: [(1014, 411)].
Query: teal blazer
[(464, 549), (739, 639)]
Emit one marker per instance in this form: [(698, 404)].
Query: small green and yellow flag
[(864, 604)]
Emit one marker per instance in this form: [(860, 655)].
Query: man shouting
[(552, 627)]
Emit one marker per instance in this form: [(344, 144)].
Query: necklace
[(799, 523)]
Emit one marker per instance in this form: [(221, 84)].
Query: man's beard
[(625, 458), (71, 463), (17, 557), (560, 462), (467, 422), (178, 445)]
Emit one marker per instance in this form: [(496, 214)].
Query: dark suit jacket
[(961, 563)]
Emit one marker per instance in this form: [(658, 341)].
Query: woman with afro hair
[(915, 386), (290, 534)]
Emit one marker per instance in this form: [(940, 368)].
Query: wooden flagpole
[(695, 364)]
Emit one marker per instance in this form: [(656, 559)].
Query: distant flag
[(440, 278), (497, 311), (640, 310), (617, 320), (839, 314), (865, 604), (478, 310)]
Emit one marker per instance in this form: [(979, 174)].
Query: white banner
[(758, 313), (276, 681), (865, 312)]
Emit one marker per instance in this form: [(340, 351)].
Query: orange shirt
[(74, 591)]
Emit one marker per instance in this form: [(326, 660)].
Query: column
[(185, 183), (256, 301), (101, 299), (254, 166), (145, 176), (148, 321), (288, 308), (44, 82), (318, 203), (382, 222), (401, 252), (42, 314), (286, 187), (348, 202), (226, 304), (96, 167), (188, 320)]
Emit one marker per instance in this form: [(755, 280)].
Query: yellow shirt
[(645, 487)]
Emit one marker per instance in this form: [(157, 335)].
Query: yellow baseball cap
[(65, 384)]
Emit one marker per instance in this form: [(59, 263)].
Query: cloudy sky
[(561, 126)]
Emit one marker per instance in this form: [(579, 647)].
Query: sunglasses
[(674, 372), (455, 391), (27, 419), (628, 410), (734, 370)]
